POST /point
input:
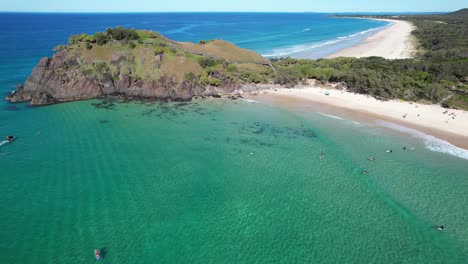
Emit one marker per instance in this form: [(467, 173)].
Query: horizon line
[(272, 12)]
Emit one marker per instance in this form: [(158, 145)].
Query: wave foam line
[(4, 142), (332, 116), (432, 143), (305, 47)]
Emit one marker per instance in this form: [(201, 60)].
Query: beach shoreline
[(393, 42), (447, 124)]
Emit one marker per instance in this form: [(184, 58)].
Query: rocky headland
[(138, 64)]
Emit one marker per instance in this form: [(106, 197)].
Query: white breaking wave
[(332, 116), (4, 142), (432, 143), (283, 52), (298, 48), (249, 100)]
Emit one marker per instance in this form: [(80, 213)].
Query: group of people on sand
[(453, 115)]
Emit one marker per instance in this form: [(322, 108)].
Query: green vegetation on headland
[(149, 55), (140, 63), (438, 73)]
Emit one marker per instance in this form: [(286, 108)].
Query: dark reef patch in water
[(11, 108), (107, 104), (171, 110), (103, 121), (257, 128)]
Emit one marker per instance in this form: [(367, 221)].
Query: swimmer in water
[(389, 151), (322, 155), (371, 159), (365, 172), (441, 228)]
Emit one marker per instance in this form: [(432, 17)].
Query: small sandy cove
[(448, 124), (393, 42)]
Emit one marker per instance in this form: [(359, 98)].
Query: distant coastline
[(392, 42)]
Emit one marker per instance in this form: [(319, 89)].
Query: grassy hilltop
[(150, 56), (140, 64)]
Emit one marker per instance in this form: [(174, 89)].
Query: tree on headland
[(120, 33), (101, 38)]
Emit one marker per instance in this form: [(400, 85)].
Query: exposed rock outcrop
[(61, 79), (78, 73), (42, 98)]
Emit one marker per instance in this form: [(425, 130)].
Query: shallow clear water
[(221, 182), (211, 181)]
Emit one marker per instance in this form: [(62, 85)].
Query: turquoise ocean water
[(215, 181)]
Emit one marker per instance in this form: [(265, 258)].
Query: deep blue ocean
[(26, 37)]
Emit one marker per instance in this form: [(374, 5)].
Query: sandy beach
[(394, 42), (447, 124)]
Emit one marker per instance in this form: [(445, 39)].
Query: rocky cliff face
[(62, 78)]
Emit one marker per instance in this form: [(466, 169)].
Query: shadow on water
[(11, 108), (104, 252)]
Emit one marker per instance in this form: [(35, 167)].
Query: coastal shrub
[(89, 46), (202, 42), (232, 68), (60, 48), (75, 39), (206, 62), (131, 45), (288, 76), (206, 79), (120, 33), (88, 72), (101, 38), (190, 77), (159, 50), (252, 77), (100, 67)]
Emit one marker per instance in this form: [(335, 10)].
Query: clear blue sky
[(233, 5)]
